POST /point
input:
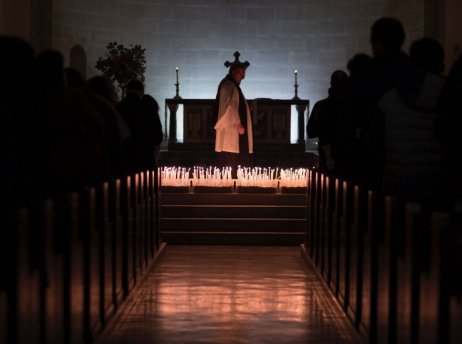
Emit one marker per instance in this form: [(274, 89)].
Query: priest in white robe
[(234, 140)]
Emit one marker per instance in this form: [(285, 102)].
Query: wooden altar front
[(271, 124)]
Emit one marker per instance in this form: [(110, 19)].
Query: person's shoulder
[(102, 104), (319, 104), (227, 86), (227, 82), (321, 101)]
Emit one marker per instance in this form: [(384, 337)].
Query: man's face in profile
[(238, 74)]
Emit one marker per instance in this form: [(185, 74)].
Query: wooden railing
[(394, 268), (74, 260)]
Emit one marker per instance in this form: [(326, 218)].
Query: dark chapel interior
[(347, 236)]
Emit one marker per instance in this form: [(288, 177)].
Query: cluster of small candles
[(257, 177), (293, 178), (266, 177), (212, 177), (174, 176)]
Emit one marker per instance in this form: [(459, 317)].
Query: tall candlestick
[(177, 71), (295, 86)]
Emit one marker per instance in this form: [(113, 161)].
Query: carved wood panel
[(198, 126), (271, 123)]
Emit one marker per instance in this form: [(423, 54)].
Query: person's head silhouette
[(387, 35)]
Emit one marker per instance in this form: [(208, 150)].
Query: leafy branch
[(121, 64)]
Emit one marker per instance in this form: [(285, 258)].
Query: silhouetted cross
[(236, 61)]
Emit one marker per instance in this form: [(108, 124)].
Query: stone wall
[(314, 37)]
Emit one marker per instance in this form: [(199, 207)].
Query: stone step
[(232, 211), (276, 199), (232, 225), (232, 218), (233, 238)]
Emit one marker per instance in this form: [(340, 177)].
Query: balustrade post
[(126, 238), (336, 218), (430, 280), (136, 229), (173, 108), (301, 107), (157, 192), (345, 244), (454, 281), (312, 215), (24, 301), (86, 227)]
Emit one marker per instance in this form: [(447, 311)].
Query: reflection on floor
[(231, 294)]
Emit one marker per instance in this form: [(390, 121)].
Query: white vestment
[(227, 135)]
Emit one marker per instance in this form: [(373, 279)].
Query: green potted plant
[(121, 64)]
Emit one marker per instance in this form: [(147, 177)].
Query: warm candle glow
[(294, 177), (212, 177), (264, 177), (257, 177), (174, 176)]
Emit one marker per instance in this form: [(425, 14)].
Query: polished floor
[(231, 294)]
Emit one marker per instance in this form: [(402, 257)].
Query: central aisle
[(231, 294)]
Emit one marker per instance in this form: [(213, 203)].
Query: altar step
[(232, 218)]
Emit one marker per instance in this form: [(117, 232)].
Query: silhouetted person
[(17, 134), (323, 119), (366, 87), (408, 158), (16, 61), (103, 87), (140, 147), (358, 63), (448, 129), (159, 135), (112, 154), (70, 130)]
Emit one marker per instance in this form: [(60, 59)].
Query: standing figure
[(405, 156), (234, 140), (365, 88), (146, 130), (323, 119), (159, 134)]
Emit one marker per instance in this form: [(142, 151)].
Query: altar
[(271, 124)]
